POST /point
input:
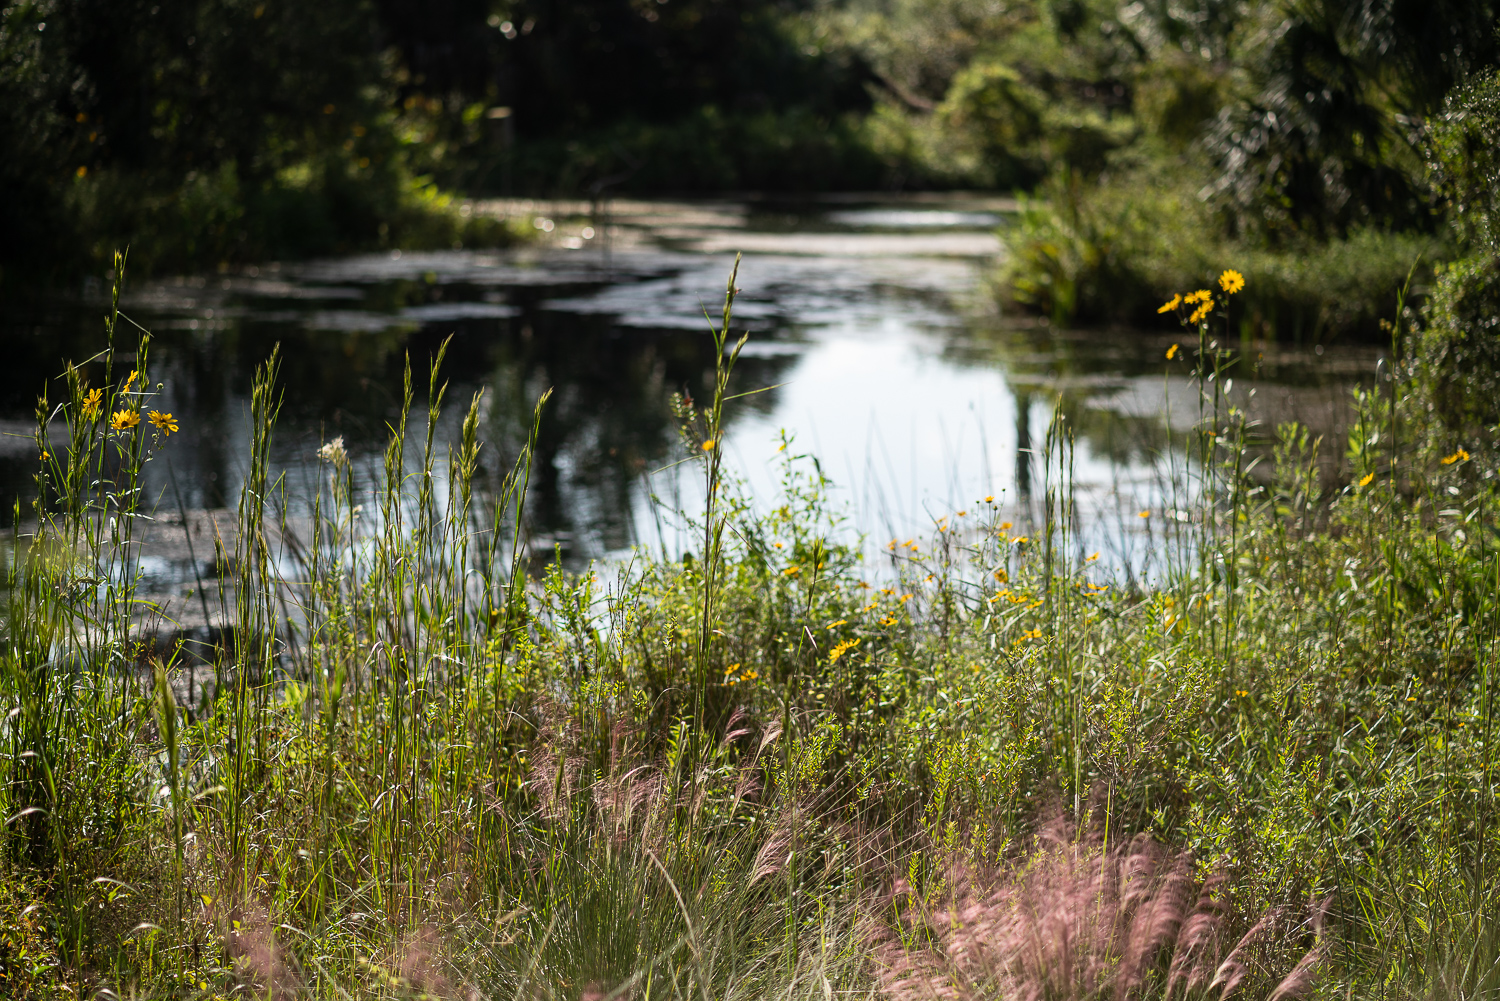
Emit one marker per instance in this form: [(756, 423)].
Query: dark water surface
[(871, 316)]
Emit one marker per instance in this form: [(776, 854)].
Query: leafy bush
[(1458, 352), (1117, 250)]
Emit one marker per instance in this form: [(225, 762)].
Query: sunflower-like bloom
[(1202, 295), (1201, 312), (1231, 281), (165, 423), (93, 401), (1459, 456), (124, 420), (1172, 351), (1171, 304)]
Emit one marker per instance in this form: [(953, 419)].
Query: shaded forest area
[(1161, 138)]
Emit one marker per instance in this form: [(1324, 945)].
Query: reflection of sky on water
[(891, 368), (910, 437), (915, 219)]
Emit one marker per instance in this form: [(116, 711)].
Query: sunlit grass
[(429, 764)]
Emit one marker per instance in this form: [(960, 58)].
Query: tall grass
[(431, 763)]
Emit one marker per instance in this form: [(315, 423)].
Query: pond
[(872, 319)]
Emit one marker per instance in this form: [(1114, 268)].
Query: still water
[(873, 319)]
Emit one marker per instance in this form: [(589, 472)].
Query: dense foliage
[(411, 760), (216, 130), (208, 130)]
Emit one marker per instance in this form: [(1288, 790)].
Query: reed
[(430, 762)]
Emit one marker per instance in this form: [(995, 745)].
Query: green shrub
[(1116, 251), (1458, 353)]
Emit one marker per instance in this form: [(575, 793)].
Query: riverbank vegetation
[(415, 758), (1155, 140)]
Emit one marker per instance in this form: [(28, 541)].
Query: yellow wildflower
[(1201, 312), (1459, 456), (1171, 304), (840, 650), (45, 456), (93, 400), (1367, 479), (791, 571), (835, 625), (1172, 351), (990, 499), (1202, 295), (1092, 558), (165, 423), (129, 380), (124, 420), (708, 446), (1145, 514), (1231, 281)]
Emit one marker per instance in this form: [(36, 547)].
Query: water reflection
[(872, 321)]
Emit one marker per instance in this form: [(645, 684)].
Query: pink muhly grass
[(258, 959), (419, 964), (1076, 920)]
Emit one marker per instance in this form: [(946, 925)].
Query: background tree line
[(211, 130)]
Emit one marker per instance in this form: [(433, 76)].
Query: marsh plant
[(426, 761)]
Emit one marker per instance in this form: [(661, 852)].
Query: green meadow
[(421, 759)]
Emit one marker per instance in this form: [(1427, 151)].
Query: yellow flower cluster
[(1202, 301), (733, 676), (1459, 456), (127, 418), (1205, 304), (840, 650)]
